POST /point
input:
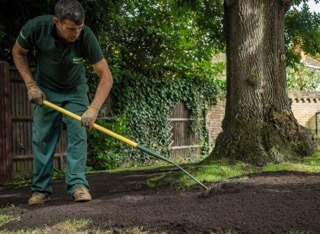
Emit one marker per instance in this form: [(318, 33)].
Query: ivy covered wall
[(144, 105)]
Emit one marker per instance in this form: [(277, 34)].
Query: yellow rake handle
[(96, 126)]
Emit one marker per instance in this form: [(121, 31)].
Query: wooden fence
[(5, 125), (183, 142), (16, 159), (16, 128)]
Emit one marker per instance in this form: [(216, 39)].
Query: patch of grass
[(154, 180), (219, 170), (223, 170), (4, 219), (135, 230), (78, 227), (309, 165), (68, 226), (297, 232), (227, 232), (33, 231), (21, 181)]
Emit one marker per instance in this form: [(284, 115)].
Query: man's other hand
[(35, 95), (90, 116)]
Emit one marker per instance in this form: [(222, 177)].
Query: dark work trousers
[(45, 136)]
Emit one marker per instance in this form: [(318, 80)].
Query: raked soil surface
[(281, 202)]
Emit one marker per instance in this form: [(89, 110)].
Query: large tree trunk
[(259, 125)]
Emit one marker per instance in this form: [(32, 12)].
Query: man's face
[(68, 30)]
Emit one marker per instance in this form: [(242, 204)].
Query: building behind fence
[(16, 159)]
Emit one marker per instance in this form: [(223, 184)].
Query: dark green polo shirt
[(60, 66)]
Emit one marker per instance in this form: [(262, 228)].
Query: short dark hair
[(70, 10)]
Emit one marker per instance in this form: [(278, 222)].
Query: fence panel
[(22, 116), (16, 159), (183, 141), (5, 125)]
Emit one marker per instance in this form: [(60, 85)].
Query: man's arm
[(35, 95), (21, 62), (106, 81)]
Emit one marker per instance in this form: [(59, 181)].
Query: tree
[(259, 125)]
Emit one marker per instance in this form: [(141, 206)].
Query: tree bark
[(259, 125)]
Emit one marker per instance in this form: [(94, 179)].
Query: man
[(61, 43)]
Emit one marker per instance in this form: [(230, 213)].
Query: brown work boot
[(38, 198), (81, 195)]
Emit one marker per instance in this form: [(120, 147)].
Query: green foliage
[(148, 104), (99, 13), (207, 16), (159, 39), (301, 27), (303, 78), (104, 151)]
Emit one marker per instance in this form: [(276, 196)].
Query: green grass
[(223, 170), (81, 226), (4, 219), (217, 171), (308, 165), (69, 226)]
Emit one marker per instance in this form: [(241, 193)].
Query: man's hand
[(90, 116), (35, 95)]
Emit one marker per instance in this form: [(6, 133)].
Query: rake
[(123, 139)]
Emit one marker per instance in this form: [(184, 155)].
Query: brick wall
[(214, 120), (304, 106)]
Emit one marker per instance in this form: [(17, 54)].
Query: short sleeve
[(92, 49), (25, 38)]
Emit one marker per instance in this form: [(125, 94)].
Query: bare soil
[(282, 202)]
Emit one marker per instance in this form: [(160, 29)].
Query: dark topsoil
[(282, 202)]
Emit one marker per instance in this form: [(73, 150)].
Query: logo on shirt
[(76, 60), (23, 37)]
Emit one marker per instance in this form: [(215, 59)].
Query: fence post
[(5, 125)]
